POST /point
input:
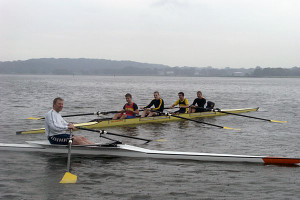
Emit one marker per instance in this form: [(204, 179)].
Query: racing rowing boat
[(103, 123), (123, 150)]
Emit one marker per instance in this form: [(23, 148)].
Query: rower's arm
[(176, 103), (150, 104), (187, 103), (186, 106), (136, 109), (194, 103)]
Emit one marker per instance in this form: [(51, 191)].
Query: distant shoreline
[(1, 74), (102, 67)]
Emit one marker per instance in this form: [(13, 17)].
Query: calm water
[(36, 176)]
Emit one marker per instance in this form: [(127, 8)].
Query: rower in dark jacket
[(158, 106), (200, 101)]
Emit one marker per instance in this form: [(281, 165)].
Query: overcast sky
[(197, 33)]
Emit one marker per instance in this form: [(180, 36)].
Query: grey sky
[(198, 33)]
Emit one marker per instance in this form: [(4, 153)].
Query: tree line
[(65, 66)]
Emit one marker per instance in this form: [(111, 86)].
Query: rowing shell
[(99, 123), (124, 150)]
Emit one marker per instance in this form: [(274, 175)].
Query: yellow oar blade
[(160, 140), (35, 118), (278, 121), (69, 178), (225, 127)]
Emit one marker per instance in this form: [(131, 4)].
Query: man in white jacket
[(56, 127)]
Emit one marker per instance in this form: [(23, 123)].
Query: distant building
[(238, 74), (169, 73)]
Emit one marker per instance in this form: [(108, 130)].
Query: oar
[(83, 114), (167, 107), (115, 134), (68, 177), (224, 127), (270, 120)]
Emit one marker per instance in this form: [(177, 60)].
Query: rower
[(183, 104), (200, 101), (158, 104), (56, 126), (130, 109)]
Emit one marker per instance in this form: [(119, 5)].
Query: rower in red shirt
[(130, 109)]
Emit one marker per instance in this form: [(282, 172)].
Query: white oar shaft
[(69, 151), (68, 177)]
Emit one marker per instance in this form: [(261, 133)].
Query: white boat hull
[(123, 150)]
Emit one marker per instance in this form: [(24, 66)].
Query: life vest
[(129, 110)]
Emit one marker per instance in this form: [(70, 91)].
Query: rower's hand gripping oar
[(68, 177), (224, 127), (115, 134), (270, 120)]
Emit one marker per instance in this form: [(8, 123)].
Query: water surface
[(36, 176)]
